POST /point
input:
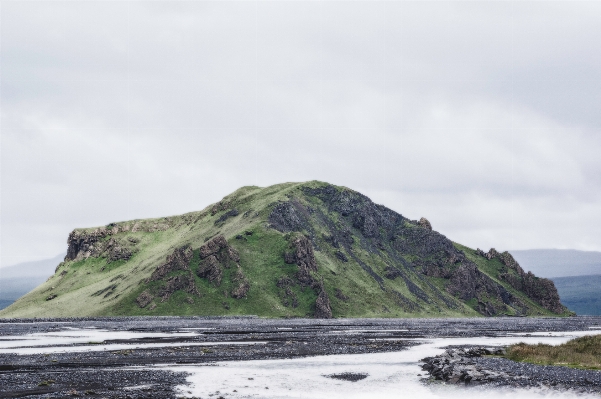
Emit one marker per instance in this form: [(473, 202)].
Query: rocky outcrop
[(178, 260), (116, 251), (83, 244), (213, 246), (184, 282), (286, 217), (323, 309), (217, 255), (540, 290), (243, 285), (144, 299), (455, 366), (287, 296), (468, 283), (177, 274), (231, 213), (423, 222), (211, 269), (476, 366), (360, 212), (301, 254)]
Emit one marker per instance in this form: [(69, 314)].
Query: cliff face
[(310, 249)]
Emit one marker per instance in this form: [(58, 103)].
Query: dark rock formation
[(285, 217), (175, 283), (341, 256), (81, 244), (323, 309), (392, 272), (178, 260), (423, 222), (215, 256), (211, 269), (225, 216), (540, 290), (243, 285), (352, 377), (287, 296), (360, 211), (213, 246), (468, 282), (455, 366), (144, 299), (301, 254), (115, 251)]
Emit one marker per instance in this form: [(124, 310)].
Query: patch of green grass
[(583, 352)]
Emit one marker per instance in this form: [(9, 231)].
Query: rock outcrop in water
[(291, 250)]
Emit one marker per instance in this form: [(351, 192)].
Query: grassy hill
[(289, 250)]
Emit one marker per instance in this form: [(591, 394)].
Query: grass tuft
[(583, 352)]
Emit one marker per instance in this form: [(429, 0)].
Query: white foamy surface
[(89, 340), (391, 375)]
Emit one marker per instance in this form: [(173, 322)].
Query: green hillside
[(289, 250)]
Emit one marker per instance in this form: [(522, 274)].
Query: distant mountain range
[(576, 274), (552, 263), (581, 294), (18, 280)]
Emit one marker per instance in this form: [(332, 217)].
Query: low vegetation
[(583, 352)]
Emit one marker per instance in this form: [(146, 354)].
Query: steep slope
[(289, 250)]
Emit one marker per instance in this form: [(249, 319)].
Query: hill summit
[(290, 250)]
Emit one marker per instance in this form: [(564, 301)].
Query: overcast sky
[(483, 117)]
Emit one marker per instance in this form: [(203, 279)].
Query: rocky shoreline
[(480, 366)]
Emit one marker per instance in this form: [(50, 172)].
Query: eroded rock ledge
[(177, 273), (300, 252), (540, 290)]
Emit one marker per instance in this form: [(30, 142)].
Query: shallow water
[(89, 340), (391, 375)]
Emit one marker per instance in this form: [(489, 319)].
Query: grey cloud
[(481, 116)]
